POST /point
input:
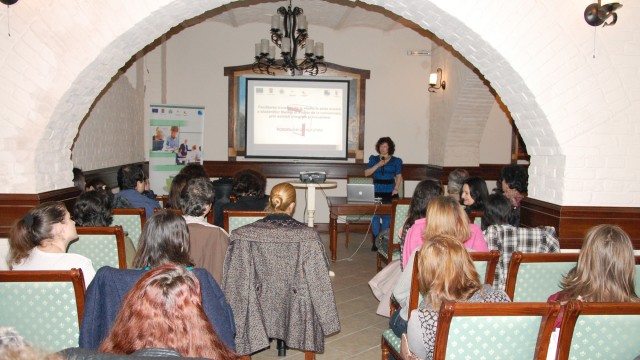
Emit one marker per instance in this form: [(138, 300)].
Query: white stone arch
[(61, 55)]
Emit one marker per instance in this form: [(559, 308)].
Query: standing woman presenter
[(386, 170)]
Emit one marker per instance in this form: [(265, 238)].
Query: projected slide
[(297, 119)]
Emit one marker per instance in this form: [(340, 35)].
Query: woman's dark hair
[(78, 179), (516, 177), (97, 184), (195, 196), (93, 208), (28, 231), (424, 192), (497, 210), (194, 170), (386, 139), (478, 191), (164, 240), (249, 183), (177, 184)]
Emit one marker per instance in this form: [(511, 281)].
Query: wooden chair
[(399, 213), (495, 330), (599, 330), (486, 263), (162, 200), (234, 219), (475, 217), (104, 246), (45, 307), (132, 221), (390, 343), (534, 277)]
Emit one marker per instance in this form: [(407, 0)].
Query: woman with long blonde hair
[(605, 270), (446, 272), (445, 216)]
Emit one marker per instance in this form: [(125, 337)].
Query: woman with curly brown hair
[(164, 310)]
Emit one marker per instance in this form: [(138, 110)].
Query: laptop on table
[(360, 193)]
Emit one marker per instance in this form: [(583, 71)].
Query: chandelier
[(289, 38)]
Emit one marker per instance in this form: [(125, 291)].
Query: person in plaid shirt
[(507, 238)]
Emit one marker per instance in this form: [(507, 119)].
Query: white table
[(311, 195)]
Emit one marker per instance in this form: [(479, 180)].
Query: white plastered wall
[(570, 107)]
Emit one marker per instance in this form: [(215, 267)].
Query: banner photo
[(177, 134)]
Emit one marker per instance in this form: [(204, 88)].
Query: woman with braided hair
[(39, 241)]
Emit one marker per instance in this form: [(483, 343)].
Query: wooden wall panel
[(573, 222)]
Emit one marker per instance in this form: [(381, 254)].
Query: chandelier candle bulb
[(309, 47), (319, 49), (272, 52), (302, 22), (264, 46), (275, 22), (257, 50), (286, 45)]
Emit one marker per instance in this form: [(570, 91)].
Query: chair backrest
[(132, 221), (414, 293), (485, 263), (104, 246), (399, 214), (495, 330), (637, 278), (45, 307), (475, 217), (534, 277), (602, 330), (162, 200), (234, 219)]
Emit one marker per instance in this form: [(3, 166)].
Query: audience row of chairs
[(522, 329)]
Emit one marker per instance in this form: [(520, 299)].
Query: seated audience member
[(164, 240), (79, 179), (93, 208), (208, 242), (459, 283), (166, 305), (445, 217), (513, 185), (605, 271), (131, 180), (39, 241), (194, 170), (249, 188), (285, 262), (507, 238), (416, 220), (116, 201), (177, 184), (474, 195), (456, 180)]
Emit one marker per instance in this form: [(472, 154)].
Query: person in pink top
[(446, 216)]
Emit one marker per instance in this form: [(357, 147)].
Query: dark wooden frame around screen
[(360, 77)]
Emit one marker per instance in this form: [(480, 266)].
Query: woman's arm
[(398, 184), (370, 170)]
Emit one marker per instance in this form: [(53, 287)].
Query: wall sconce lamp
[(436, 79)]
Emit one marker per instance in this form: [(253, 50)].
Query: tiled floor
[(359, 337)]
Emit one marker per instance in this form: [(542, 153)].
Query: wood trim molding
[(14, 206), (573, 222)]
